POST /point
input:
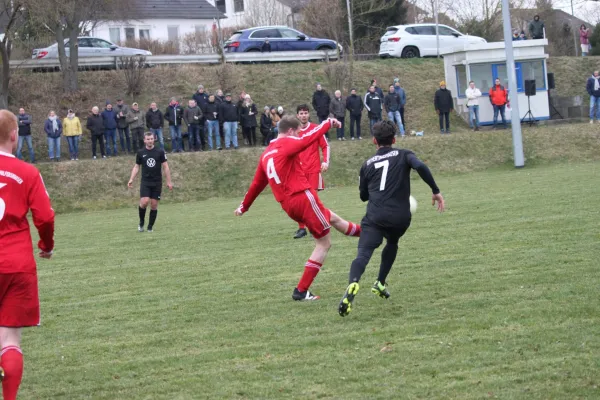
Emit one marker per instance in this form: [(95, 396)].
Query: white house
[(172, 20), (163, 20), (483, 63)]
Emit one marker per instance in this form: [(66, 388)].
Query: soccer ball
[(413, 204)]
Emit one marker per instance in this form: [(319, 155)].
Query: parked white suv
[(419, 40)]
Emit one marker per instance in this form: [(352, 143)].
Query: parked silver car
[(90, 47)]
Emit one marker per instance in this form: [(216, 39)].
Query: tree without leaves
[(265, 13), (11, 12), (66, 19)]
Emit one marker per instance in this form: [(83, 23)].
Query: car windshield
[(235, 37)]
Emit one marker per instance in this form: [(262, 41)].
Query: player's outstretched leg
[(311, 269), (346, 227), (388, 256), (346, 304)]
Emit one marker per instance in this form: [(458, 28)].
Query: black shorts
[(153, 191), (371, 235)]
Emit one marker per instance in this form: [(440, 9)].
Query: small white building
[(483, 63)]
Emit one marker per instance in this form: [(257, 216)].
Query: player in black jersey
[(385, 184), (152, 161)]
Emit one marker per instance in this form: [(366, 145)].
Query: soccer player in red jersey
[(279, 166), (21, 189), (311, 159)]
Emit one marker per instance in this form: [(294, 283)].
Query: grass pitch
[(496, 298)]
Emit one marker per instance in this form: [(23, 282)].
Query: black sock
[(142, 215), (152, 218), (388, 256), (360, 263)]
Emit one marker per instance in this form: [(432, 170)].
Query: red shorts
[(19, 302), (315, 181), (306, 208)]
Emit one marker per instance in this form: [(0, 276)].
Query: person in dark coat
[(355, 106), (155, 121), (229, 117), (110, 129), (249, 122), (444, 104), (122, 126), (54, 129), (266, 125), (95, 124), (374, 105), (337, 108), (320, 102), (174, 114), (211, 114), (25, 134)]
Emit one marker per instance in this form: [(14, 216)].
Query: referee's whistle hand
[(441, 206)]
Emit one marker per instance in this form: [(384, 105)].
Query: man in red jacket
[(21, 189), (498, 98)]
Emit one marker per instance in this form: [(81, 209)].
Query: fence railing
[(114, 61)]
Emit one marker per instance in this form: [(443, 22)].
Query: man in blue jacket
[(109, 116), (593, 89), (402, 94)]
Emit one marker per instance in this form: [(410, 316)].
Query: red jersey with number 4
[(279, 166), (22, 189), (310, 158)]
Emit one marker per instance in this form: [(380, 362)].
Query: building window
[(238, 6), (200, 30), (173, 33), (461, 79), (144, 34), (481, 74), (115, 35), (129, 33), (221, 6), (534, 70)]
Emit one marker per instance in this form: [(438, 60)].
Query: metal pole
[(512, 86), (437, 30), (350, 27)]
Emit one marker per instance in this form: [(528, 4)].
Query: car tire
[(410, 52)]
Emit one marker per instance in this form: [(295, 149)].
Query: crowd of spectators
[(209, 121)]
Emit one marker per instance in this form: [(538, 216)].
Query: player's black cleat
[(346, 304), (380, 290), (304, 296), (300, 233)]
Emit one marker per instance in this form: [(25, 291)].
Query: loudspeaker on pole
[(530, 87)]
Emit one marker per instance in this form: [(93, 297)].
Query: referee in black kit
[(385, 184), (153, 161)]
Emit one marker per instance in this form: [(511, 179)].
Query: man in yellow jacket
[(72, 131)]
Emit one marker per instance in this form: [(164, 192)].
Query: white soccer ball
[(413, 204)]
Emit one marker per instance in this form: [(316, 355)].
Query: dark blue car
[(280, 38)]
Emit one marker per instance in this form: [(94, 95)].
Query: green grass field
[(496, 298)]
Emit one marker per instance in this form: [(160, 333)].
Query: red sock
[(311, 269), (301, 226), (11, 360), (353, 229)]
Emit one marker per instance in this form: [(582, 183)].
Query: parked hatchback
[(281, 38), (90, 47), (419, 40)]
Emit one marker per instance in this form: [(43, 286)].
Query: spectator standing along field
[(135, 119), (73, 131), (229, 115), (355, 106), (25, 121), (337, 108), (95, 125), (174, 114), (53, 128), (122, 126), (155, 122), (443, 104), (110, 129), (593, 88)]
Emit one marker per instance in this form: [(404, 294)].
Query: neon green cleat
[(346, 304), (380, 290)]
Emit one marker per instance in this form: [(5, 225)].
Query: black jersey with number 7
[(385, 183)]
